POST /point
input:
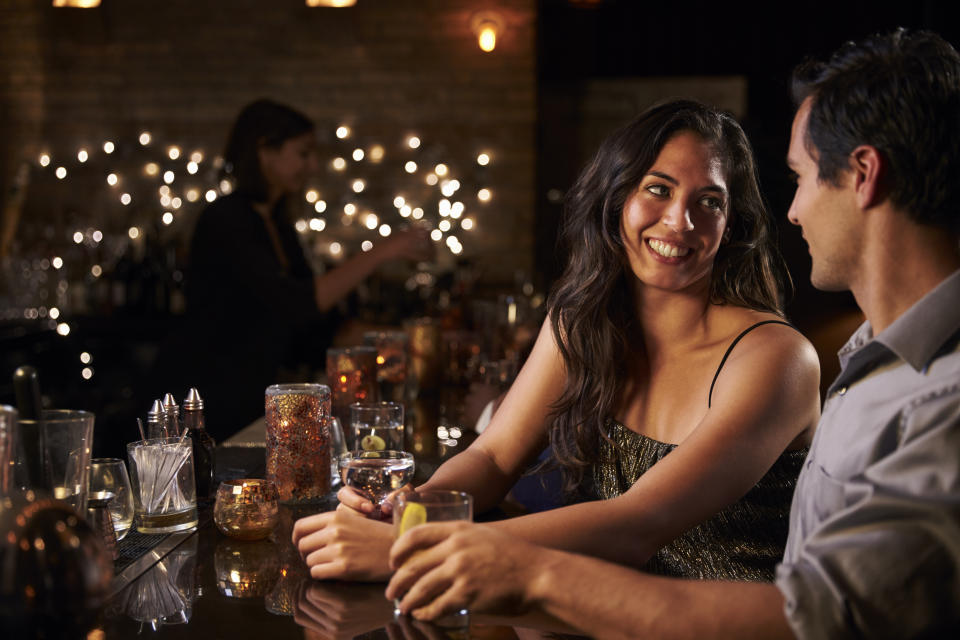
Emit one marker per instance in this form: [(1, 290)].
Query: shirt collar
[(920, 331)]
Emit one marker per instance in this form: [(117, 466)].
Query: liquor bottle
[(204, 447)]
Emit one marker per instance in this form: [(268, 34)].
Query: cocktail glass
[(376, 474)]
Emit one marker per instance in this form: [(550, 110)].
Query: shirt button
[(842, 391)]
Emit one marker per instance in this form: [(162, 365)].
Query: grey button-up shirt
[(874, 543)]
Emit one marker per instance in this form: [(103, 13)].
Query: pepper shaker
[(204, 446)]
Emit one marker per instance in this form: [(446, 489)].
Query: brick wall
[(183, 68)]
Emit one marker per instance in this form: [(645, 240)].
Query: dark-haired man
[(874, 545)]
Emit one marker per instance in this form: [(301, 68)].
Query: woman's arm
[(334, 285), (342, 544), (516, 434), (766, 397)]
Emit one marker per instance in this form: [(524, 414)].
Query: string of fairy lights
[(364, 192)]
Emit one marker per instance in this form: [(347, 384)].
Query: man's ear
[(868, 166)]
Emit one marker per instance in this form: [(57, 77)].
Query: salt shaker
[(155, 423)]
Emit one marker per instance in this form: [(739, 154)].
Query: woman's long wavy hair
[(592, 305)]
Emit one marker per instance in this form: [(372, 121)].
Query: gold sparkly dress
[(744, 541)]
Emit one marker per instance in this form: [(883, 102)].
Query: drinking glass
[(110, 474), (413, 508), (338, 446), (376, 474), (164, 489), (54, 455), (377, 425)]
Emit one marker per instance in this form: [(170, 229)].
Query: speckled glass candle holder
[(247, 508), (352, 373), (298, 441)]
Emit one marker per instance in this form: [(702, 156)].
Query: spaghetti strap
[(733, 344)]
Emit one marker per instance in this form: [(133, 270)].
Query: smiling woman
[(677, 403)]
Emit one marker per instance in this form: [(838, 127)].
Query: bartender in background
[(253, 301)]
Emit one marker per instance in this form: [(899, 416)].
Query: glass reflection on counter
[(165, 594), (246, 569)]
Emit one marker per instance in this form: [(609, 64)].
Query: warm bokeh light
[(133, 233), (376, 153), (385, 230), (112, 179), (410, 167), (108, 147), (487, 38), (343, 132), (61, 173), (350, 208), (413, 142), (167, 218), (173, 152), (358, 155), (484, 195), (339, 164), (366, 245), (467, 224), (312, 196), (358, 186), (82, 155), (145, 138), (320, 206), (483, 159)]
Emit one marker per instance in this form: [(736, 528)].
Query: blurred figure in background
[(253, 301)]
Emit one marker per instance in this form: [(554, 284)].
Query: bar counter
[(203, 584)]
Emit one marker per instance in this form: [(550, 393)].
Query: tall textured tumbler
[(298, 441)]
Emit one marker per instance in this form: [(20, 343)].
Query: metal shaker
[(98, 517)]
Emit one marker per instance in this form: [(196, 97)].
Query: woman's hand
[(409, 244), (445, 567), (343, 545), (350, 500), (345, 612)]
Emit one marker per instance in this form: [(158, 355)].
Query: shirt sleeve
[(887, 563)]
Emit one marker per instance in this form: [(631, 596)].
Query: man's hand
[(448, 566)]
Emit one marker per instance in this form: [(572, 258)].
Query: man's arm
[(447, 566)]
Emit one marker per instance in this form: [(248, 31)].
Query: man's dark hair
[(899, 93)]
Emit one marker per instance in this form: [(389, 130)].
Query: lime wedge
[(372, 443), (414, 514)]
